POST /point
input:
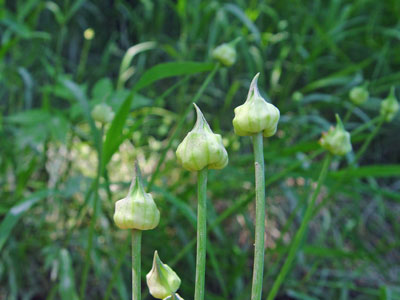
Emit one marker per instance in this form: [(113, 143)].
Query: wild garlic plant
[(257, 118), (201, 150), (138, 212)]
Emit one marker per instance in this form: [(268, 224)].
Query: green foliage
[(149, 60)]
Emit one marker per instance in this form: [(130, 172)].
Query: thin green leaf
[(67, 287), (158, 72), (15, 213)]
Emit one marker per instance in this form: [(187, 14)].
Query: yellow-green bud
[(102, 113), (255, 115), (201, 148), (137, 210), (389, 106), (358, 95), (162, 281), (337, 139), (88, 34), (225, 54)]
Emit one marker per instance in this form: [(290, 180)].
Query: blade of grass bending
[(152, 75), (300, 233), (16, 212), (180, 124)]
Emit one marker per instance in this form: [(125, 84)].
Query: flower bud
[(162, 281), (137, 210), (256, 114), (389, 106), (88, 34), (225, 54), (337, 139), (358, 95), (102, 113), (201, 148)]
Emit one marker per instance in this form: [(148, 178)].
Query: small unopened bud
[(137, 210), (88, 34), (297, 96), (358, 95), (337, 139), (162, 281), (201, 148), (102, 113), (255, 115), (225, 54), (389, 106)]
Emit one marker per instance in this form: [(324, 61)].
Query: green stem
[(258, 268), (86, 266), (364, 126), (136, 264), (368, 140), (201, 234), (83, 59), (180, 124), (359, 154), (300, 233), (348, 114)]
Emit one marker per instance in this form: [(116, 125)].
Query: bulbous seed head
[(256, 114), (389, 106), (358, 95), (225, 54), (162, 281), (102, 113), (337, 139), (138, 210), (201, 148)]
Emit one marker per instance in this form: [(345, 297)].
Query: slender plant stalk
[(83, 59), (358, 155), (86, 266), (258, 268), (369, 140), (201, 234), (180, 124), (136, 264), (300, 233)]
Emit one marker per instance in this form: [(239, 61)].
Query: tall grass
[(51, 186)]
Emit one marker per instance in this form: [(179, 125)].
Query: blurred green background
[(148, 60)]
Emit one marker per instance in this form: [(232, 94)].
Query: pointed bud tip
[(254, 86)]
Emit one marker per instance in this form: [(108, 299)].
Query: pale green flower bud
[(389, 106), (225, 54), (88, 34), (102, 113), (162, 281), (255, 115), (337, 139), (358, 95), (201, 148), (137, 210)]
